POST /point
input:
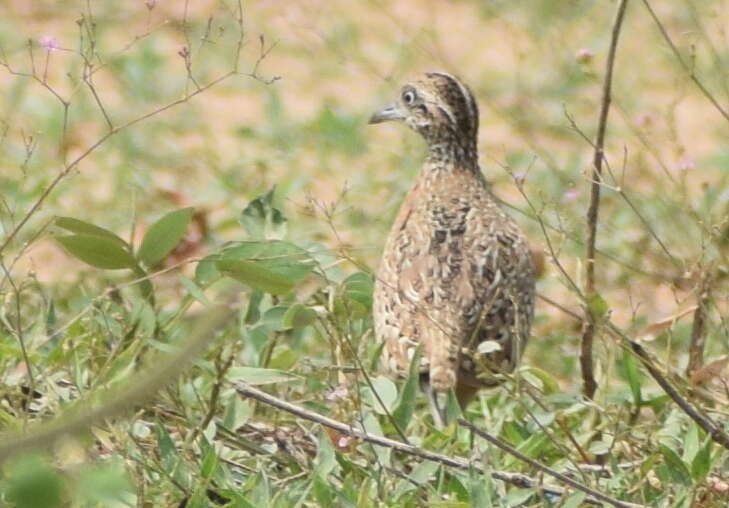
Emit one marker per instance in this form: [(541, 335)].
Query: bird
[(456, 279)]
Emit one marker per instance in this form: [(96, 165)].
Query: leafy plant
[(101, 248)]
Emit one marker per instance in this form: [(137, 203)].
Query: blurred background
[(294, 116)]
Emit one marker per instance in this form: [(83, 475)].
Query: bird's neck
[(451, 156)]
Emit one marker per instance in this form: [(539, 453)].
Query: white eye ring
[(408, 97)]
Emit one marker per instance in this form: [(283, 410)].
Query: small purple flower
[(343, 441), (520, 177), (571, 195), (337, 393), (49, 43), (584, 55), (686, 165)]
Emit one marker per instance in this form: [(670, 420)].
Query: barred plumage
[(456, 271)]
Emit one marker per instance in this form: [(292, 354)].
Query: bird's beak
[(391, 112)]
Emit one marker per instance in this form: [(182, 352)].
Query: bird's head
[(439, 107)]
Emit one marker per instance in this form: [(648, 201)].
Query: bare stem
[(541, 467), (589, 326), (684, 65), (698, 330), (516, 479)]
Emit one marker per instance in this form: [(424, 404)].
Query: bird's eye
[(408, 97)]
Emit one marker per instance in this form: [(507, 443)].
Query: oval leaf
[(272, 267), (298, 316), (259, 376), (98, 251), (261, 220), (251, 274), (205, 271), (163, 236), (85, 228), (386, 394), (406, 401)]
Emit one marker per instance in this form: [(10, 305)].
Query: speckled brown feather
[(456, 271)]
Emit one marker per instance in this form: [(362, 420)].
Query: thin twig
[(698, 329), (684, 65), (69, 167), (715, 430), (516, 479), (545, 469), (21, 337), (621, 190), (589, 326)]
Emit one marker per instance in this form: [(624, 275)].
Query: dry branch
[(516, 479), (684, 65), (698, 330), (717, 433), (547, 470), (590, 323)]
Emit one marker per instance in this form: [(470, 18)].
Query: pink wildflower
[(686, 165), (337, 393), (584, 55), (49, 43)]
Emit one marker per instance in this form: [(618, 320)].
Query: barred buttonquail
[(456, 275)]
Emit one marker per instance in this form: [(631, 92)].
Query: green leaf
[(597, 306), (272, 267), (690, 443), (251, 274), (676, 466), (358, 287), (632, 374), (480, 488), (102, 484), (98, 251), (166, 447), (253, 311), (519, 497), (599, 447), (701, 465), (326, 460), (372, 426), (209, 462), (322, 491), (575, 500), (258, 376), (85, 228), (405, 405), (298, 316), (387, 392), (273, 318), (33, 483), (549, 383), (205, 271), (237, 413), (195, 291), (261, 493), (163, 236), (261, 220), (422, 474), (145, 286)]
